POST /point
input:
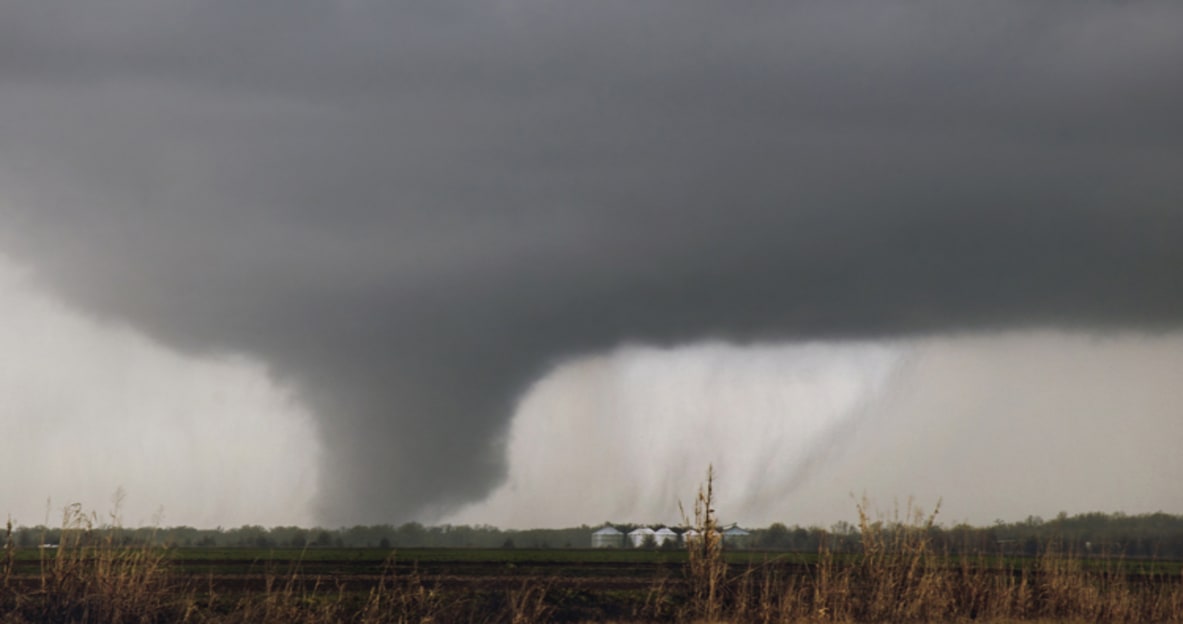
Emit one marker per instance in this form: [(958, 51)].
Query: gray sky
[(409, 212)]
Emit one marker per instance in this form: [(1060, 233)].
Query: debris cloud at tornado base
[(998, 426)]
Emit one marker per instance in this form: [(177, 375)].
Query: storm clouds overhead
[(408, 214)]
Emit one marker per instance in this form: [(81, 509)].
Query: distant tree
[(412, 534), (803, 540), (508, 543), (843, 527), (384, 543), (776, 537)]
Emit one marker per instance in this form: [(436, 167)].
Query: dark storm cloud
[(412, 210)]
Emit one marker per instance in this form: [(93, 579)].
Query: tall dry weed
[(898, 576), (402, 598), (706, 570), (9, 554), (91, 577)]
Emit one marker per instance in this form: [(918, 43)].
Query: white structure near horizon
[(736, 537), (607, 537), (664, 536), (637, 536), (691, 535), (611, 537)]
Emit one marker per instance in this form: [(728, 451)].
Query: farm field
[(895, 572), (584, 585)]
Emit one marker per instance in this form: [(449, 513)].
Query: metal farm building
[(736, 537), (665, 536), (607, 537), (637, 536)]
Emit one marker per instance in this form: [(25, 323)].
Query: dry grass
[(706, 570), (897, 576), (89, 577)]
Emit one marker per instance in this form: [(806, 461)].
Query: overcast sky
[(405, 215)]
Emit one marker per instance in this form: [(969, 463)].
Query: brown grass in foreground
[(898, 576)]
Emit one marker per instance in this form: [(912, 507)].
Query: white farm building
[(611, 537), (637, 536), (736, 537), (607, 537)]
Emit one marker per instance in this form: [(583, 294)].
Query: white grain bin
[(637, 536), (607, 537), (693, 535), (665, 536), (736, 537)]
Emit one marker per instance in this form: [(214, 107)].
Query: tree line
[(1144, 535)]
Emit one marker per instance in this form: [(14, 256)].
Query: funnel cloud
[(410, 213)]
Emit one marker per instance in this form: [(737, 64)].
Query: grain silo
[(691, 536), (665, 536), (736, 537), (637, 536), (607, 537)]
